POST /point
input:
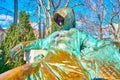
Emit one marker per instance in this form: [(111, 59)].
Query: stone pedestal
[(30, 56)]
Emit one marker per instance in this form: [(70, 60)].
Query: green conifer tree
[(16, 34)]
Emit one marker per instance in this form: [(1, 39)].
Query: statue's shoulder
[(75, 30)]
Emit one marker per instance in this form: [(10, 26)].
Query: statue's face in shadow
[(59, 20)]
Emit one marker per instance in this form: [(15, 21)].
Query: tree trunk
[(39, 22), (119, 22), (49, 15), (45, 17), (15, 11), (68, 1), (115, 33), (101, 31), (45, 23)]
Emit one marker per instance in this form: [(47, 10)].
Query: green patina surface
[(91, 52), (94, 54)]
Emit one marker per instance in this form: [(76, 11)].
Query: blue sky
[(7, 11), (6, 16), (30, 6)]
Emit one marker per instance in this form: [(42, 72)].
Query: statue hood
[(65, 18)]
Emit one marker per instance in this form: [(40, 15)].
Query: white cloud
[(5, 19), (34, 25), (78, 23), (115, 25)]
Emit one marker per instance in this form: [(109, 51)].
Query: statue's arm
[(90, 43), (41, 43), (36, 44)]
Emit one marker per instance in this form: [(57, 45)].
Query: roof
[(1, 29)]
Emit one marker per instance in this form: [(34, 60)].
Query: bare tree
[(84, 24), (98, 12), (119, 20), (39, 22), (115, 11), (46, 8), (55, 7), (103, 16)]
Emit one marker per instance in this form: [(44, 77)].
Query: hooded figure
[(63, 19), (73, 54)]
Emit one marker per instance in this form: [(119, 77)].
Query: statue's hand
[(14, 52), (17, 49)]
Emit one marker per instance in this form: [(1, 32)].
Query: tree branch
[(78, 4), (6, 9), (55, 7), (68, 1), (58, 4)]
